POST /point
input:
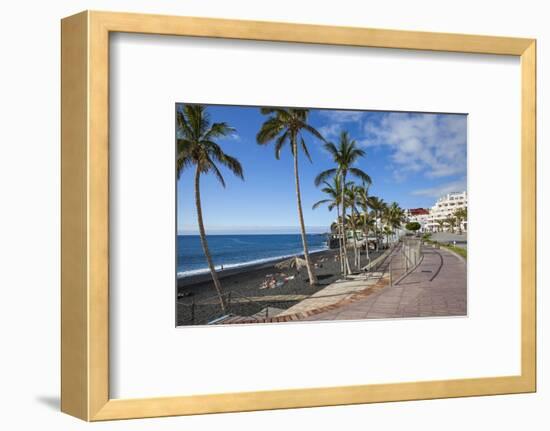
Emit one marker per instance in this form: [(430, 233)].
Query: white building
[(445, 208)]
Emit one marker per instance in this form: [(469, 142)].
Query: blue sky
[(412, 158)]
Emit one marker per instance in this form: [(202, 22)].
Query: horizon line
[(255, 230)]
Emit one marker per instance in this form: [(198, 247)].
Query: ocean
[(233, 251)]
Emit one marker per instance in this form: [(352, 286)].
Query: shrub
[(413, 226)]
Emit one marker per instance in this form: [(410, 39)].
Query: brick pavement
[(437, 287), (335, 292)]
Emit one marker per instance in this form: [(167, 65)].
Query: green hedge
[(458, 250)]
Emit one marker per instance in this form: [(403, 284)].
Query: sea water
[(234, 251)]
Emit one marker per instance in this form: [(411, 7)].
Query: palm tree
[(397, 215), (333, 201), (286, 125), (368, 223), (461, 214), (378, 205), (353, 195), (386, 223), (440, 223), (196, 146), (451, 222), (345, 155), (387, 231), (363, 201)]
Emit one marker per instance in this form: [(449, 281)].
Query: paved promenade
[(436, 287)]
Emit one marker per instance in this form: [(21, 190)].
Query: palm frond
[(217, 173), (331, 148), (313, 131), (325, 175), (304, 148), (226, 160), (281, 141), (181, 164), (266, 110), (363, 176), (218, 130), (321, 202), (196, 143), (233, 165), (269, 130), (197, 118), (184, 146), (183, 124)]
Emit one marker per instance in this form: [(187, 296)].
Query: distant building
[(445, 208)]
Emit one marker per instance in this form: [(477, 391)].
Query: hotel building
[(445, 208)]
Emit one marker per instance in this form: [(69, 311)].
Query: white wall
[(29, 216)]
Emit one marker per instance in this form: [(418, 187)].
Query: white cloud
[(330, 131), (342, 116), (337, 121), (232, 137), (443, 189), (434, 145)]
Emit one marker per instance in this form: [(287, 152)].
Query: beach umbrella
[(292, 263)]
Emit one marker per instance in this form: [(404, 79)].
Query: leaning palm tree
[(440, 224), (344, 155), (196, 146), (286, 125)]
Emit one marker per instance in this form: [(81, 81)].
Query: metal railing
[(405, 259), (205, 310)]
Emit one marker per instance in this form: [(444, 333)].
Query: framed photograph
[(255, 265), (262, 215)]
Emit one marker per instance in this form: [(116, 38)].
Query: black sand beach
[(252, 289)]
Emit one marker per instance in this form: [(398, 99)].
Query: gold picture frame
[(85, 220)]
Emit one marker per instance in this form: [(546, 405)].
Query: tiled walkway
[(334, 293), (437, 287)]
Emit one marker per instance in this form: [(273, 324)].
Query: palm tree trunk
[(340, 248), (366, 226), (367, 237), (378, 230), (354, 242), (311, 274), (204, 243), (347, 268), (357, 250)]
